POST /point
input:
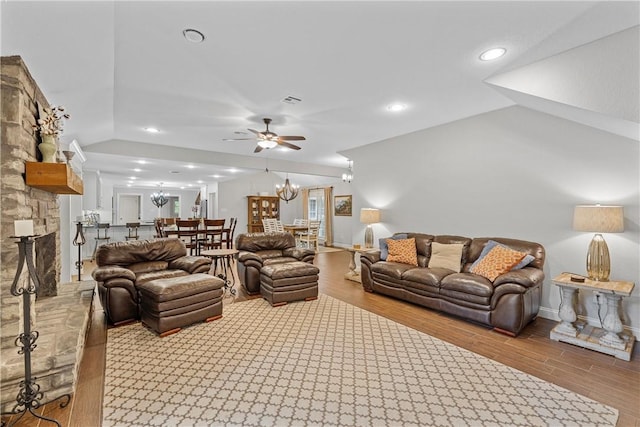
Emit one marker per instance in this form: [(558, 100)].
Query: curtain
[(328, 216), (305, 203)]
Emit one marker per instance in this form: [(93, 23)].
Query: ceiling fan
[(268, 139)]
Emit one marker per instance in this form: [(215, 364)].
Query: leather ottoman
[(167, 305), (289, 281)]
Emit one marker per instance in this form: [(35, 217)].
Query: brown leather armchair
[(259, 249), (123, 265)]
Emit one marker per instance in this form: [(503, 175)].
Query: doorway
[(128, 208)]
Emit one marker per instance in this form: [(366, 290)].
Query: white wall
[(509, 173)]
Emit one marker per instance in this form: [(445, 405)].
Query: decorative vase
[(48, 148)]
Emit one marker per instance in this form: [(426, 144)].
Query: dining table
[(294, 228)]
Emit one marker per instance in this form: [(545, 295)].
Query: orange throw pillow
[(498, 261), (403, 251)]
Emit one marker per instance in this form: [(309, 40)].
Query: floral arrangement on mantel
[(50, 122)]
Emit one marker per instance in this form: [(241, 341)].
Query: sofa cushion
[(160, 274), (467, 287), (426, 276), (391, 269), (384, 248), (144, 267), (403, 251), (278, 260), (269, 253), (491, 244), (499, 260), (446, 256)]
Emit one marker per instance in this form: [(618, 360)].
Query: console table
[(611, 338), (354, 273)]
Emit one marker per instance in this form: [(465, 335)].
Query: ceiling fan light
[(267, 143)]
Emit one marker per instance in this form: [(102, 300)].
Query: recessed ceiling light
[(133, 177), (142, 162), (152, 130), (492, 54), (190, 166), (137, 170), (194, 36), (199, 181), (128, 185), (395, 107), (182, 188), (232, 170), (216, 176)]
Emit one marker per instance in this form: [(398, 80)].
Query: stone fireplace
[(18, 201)]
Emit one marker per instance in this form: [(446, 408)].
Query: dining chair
[(157, 223), (214, 229), (269, 225), (227, 235), (311, 236), (188, 233)]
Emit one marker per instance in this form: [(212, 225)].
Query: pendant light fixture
[(287, 191), (159, 199), (348, 176)]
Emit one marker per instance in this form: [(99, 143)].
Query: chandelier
[(287, 191), (348, 176), (159, 199)]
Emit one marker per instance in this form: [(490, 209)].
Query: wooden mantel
[(56, 178)]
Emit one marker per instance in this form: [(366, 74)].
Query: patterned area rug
[(322, 362)]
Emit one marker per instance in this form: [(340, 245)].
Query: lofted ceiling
[(119, 67)]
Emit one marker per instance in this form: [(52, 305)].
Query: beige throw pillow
[(446, 256)]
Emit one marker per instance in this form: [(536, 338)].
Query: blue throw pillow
[(491, 244), (384, 248)]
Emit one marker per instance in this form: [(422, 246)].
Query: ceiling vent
[(291, 100)]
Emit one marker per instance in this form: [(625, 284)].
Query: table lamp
[(598, 219), (369, 216)]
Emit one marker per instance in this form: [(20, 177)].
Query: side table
[(611, 338), (354, 273), (221, 262)]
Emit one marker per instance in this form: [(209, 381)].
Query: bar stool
[(101, 236), (133, 231)]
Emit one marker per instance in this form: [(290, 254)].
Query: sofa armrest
[(191, 264), (109, 272), (370, 257), (526, 277), (244, 256), (302, 254)]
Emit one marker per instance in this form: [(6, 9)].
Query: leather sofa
[(123, 265), (507, 304), (256, 250)]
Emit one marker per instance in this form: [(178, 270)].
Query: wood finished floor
[(603, 378)]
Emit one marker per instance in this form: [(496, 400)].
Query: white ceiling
[(119, 67)]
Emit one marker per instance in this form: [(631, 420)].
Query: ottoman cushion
[(171, 303), (292, 281)]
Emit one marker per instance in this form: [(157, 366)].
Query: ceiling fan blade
[(239, 139), (292, 138), (255, 131), (286, 144), (258, 149)]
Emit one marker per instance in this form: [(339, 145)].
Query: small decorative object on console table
[(611, 338), (29, 395)]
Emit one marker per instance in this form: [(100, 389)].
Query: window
[(316, 209)]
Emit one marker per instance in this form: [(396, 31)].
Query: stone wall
[(20, 99)]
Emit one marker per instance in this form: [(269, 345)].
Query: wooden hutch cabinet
[(259, 208)]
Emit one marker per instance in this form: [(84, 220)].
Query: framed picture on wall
[(342, 205)]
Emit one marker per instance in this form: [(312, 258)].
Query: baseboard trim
[(552, 314)]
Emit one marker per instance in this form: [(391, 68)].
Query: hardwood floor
[(600, 377)]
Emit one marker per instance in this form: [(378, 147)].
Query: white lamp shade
[(369, 215), (598, 218)]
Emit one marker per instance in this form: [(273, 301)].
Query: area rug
[(322, 362)]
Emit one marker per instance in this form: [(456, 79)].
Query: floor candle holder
[(78, 241), (29, 396)]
